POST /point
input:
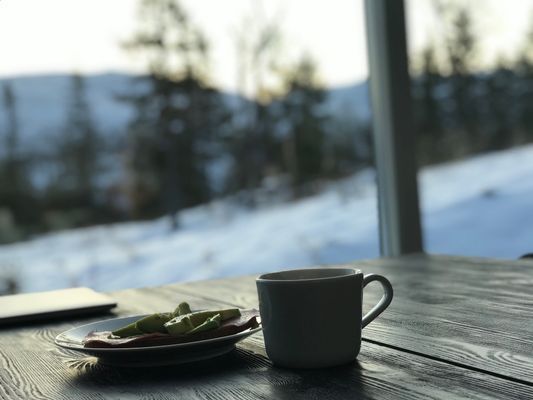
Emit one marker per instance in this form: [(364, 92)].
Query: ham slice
[(105, 339)]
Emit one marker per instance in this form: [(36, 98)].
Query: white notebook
[(53, 304)]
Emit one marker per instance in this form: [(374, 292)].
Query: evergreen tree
[(428, 109), (499, 119), (525, 97), (178, 117), (304, 114), (461, 48), (16, 194), (78, 152), (348, 145), (11, 168), (254, 149), (253, 146)]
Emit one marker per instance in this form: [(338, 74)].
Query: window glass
[(472, 81), (154, 141)]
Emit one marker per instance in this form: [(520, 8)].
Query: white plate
[(151, 355)]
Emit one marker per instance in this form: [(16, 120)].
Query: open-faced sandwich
[(180, 326)]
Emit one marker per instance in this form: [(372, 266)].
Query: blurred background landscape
[(154, 141)]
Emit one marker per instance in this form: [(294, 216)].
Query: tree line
[(189, 142), (461, 111)]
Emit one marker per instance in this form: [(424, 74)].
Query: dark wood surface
[(476, 313), (457, 328)]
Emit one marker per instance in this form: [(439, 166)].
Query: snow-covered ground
[(482, 206)]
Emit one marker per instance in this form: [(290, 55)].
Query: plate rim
[(143, 364), (79, 347)]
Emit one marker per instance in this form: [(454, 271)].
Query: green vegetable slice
[(209, 324), (185, 323), (181, 321)]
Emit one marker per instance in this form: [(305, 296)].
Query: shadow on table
[(239, 374)]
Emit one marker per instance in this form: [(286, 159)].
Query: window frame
[(393, 129)]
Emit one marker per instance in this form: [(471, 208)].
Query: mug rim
[(268, 277)]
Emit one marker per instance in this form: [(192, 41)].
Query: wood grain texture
[(473, 312), (477, 318), (33, 368)]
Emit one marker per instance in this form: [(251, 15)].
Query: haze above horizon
[(62, 36)]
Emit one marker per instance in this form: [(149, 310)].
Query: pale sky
[(63, 36)]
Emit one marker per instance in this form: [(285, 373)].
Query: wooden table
[(457, 328)]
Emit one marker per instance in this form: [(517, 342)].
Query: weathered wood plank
[(450, 314), (38, 370), (474, 312)]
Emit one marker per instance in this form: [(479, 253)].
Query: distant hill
[(42, 101)]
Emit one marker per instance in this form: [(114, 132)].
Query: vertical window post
[(394, 139)]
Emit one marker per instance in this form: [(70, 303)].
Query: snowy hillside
[(477, 207)]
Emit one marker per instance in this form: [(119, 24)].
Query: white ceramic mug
[(312, 318)]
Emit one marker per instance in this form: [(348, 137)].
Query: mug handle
[(385, 300)]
